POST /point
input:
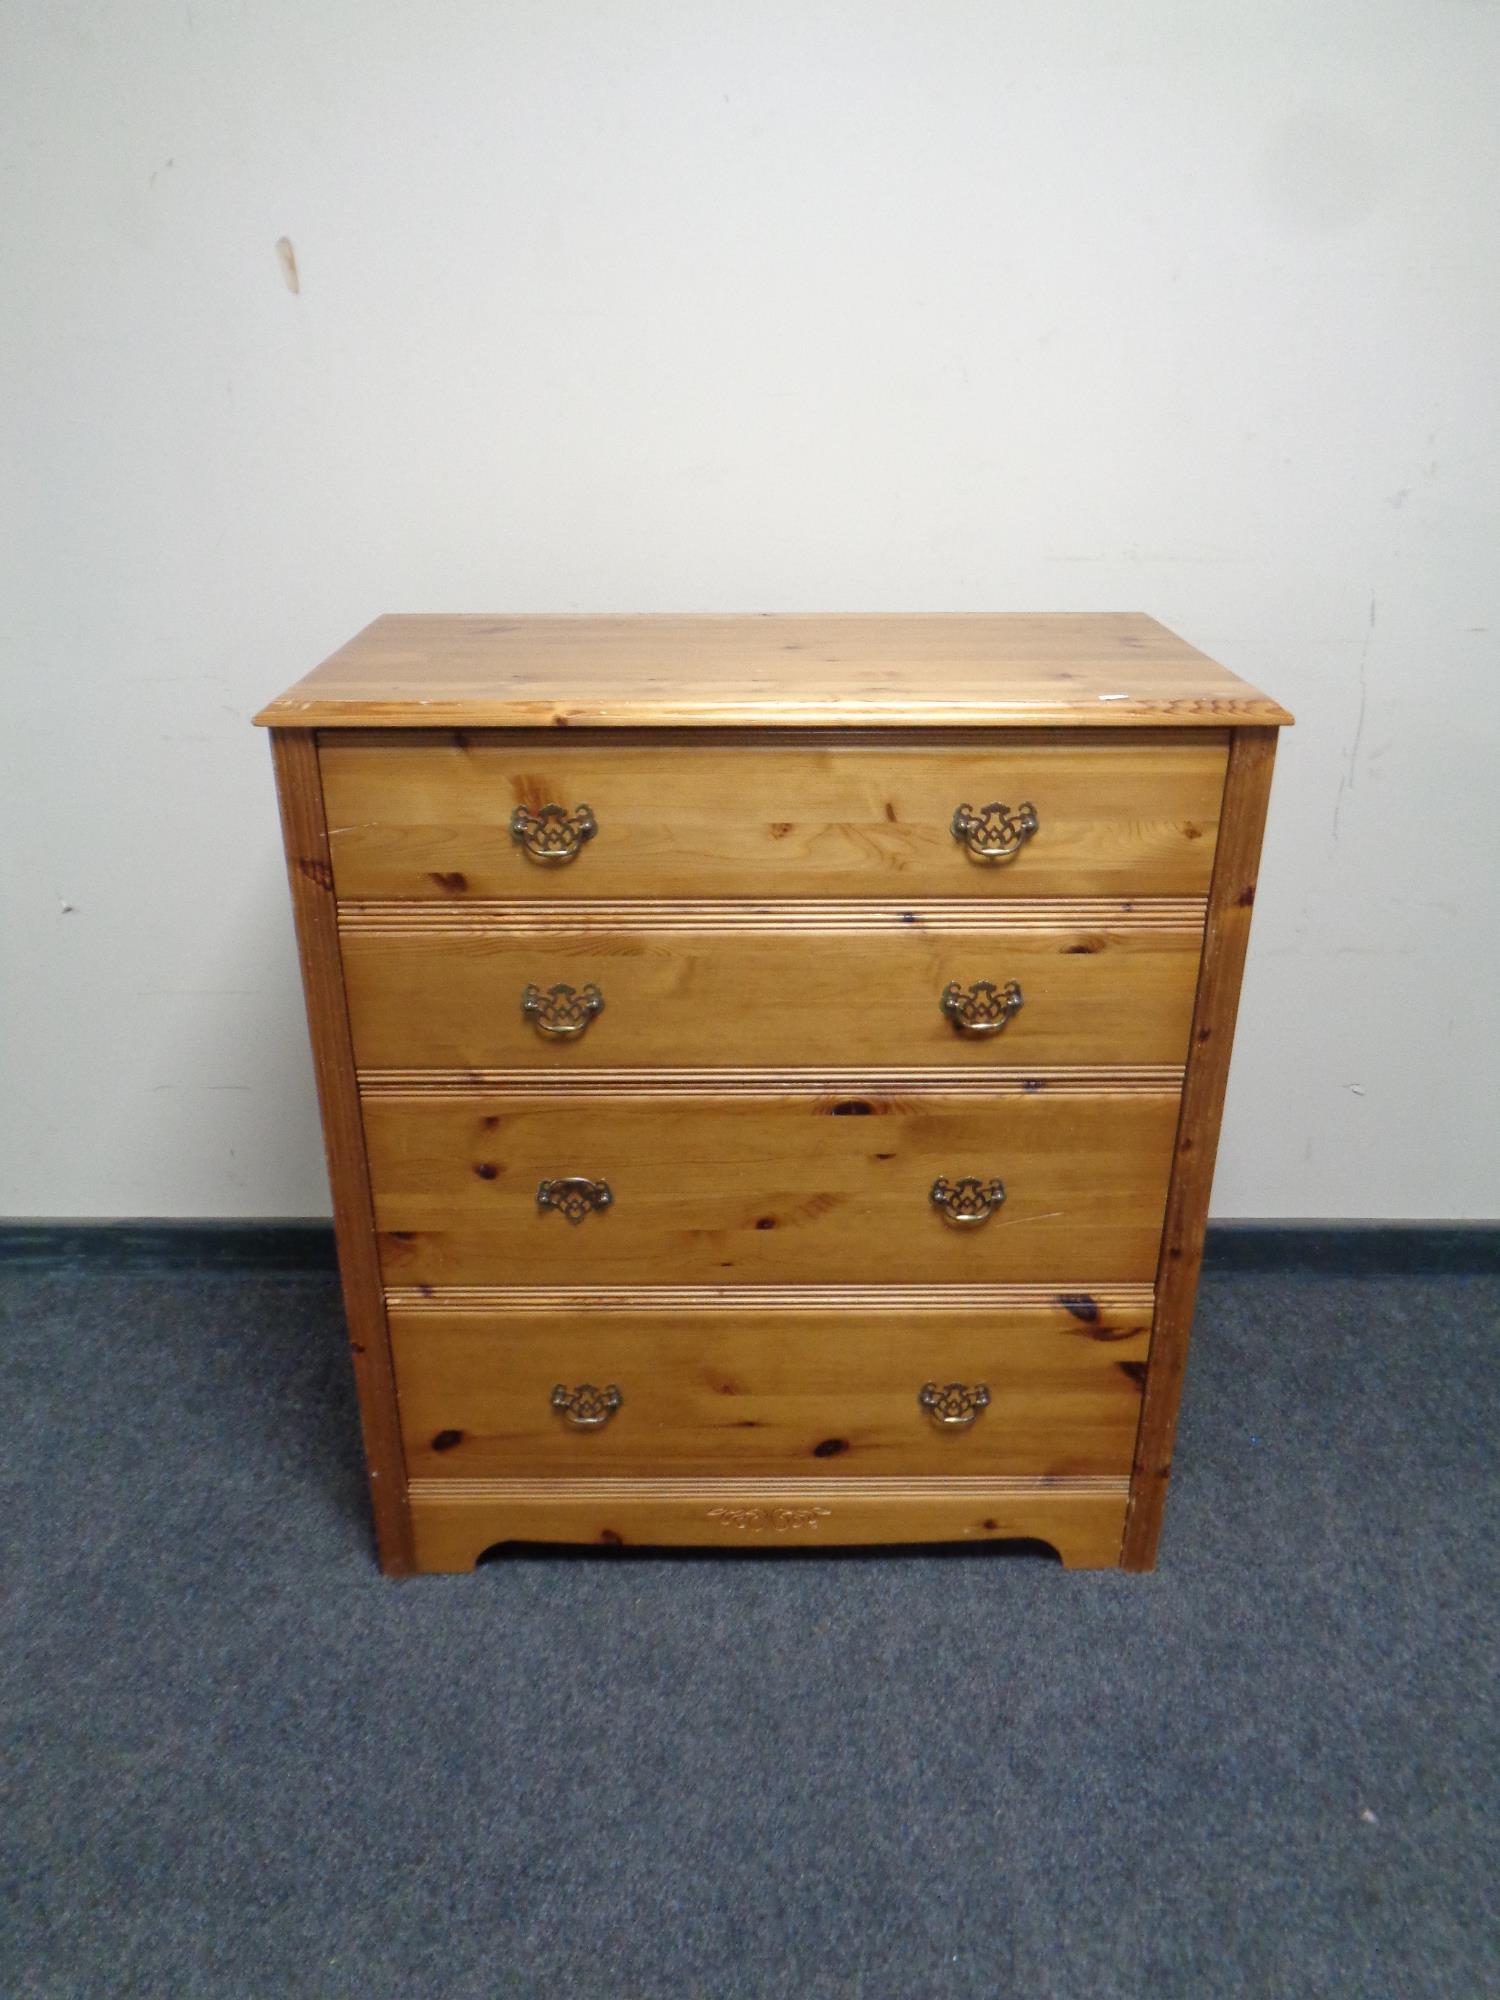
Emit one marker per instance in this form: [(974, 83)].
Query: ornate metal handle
[(953, 1406), (966, 1202), (553, 834), (561, 1012), (985, 1009), (575, 1197), (585, 1407), (994, 833)]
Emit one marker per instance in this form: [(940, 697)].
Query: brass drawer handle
[(553, 834), (985, 1009), (585, 1407), (574, 1197), (994, 833), (561, 1012), (968, 1201), (954, 1405)]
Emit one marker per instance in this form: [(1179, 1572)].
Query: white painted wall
[(801, 304)]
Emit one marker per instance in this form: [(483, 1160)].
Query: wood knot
[(1080, 1305)]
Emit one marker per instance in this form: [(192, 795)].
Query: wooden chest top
[(1095, 670)]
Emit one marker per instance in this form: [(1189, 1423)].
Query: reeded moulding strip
[(482, 918), (1082, 1301), (756, 1491), (745, 726), (1161, 1078)]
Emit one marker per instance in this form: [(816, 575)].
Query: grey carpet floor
[(245, 1765)]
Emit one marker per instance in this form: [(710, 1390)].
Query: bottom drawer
[(1045, 1388)]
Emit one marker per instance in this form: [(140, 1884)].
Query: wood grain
[(456, 1522), (1231, 901), (428, 815), (774, 1187), (780, 1391), (433, 986), (296, 763), (1108, 670)]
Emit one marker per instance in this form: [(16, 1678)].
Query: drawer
[(440, 988), (429, 814), (771, 1186), (1040, 1390)]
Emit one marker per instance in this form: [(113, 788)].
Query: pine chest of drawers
[(770, 1067)]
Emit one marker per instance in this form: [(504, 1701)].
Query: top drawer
[(442, 814)]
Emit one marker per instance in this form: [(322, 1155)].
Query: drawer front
[(449, 989), (773, 1187), (1045, 1391), (430, 815)]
